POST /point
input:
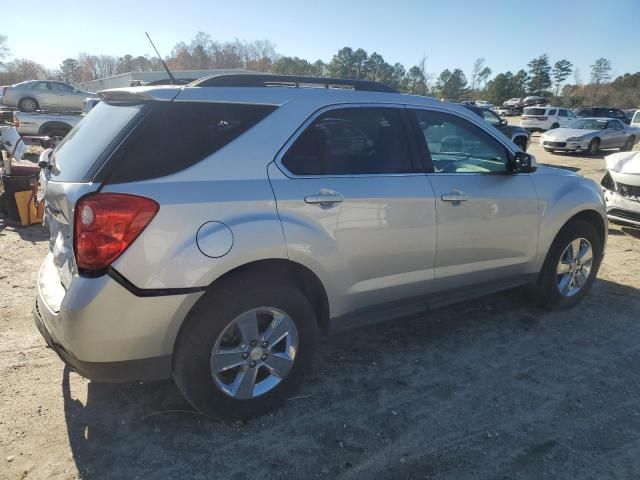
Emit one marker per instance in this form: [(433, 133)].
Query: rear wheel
[(28, 104), (555, 125), (628, 145), (245, 347), (571, 266), (55, 137), (594, 147)]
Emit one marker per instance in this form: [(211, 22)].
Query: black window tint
[(562, 113), (458, 146), (176, 135), (552, 112), (352, 141)]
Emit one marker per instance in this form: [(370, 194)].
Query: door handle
[(324, 198), (454, 197)]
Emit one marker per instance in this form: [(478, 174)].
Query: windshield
[(80, 149), (588, 124)]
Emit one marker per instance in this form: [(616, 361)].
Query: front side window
[(562, 113), (552, 112), (615, 124), (457, 146), (352, 141), (491, 117)]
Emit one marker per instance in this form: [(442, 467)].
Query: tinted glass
[(585, 112), (562, 113), (552, 112), (534, 111), (491, 117), (42, 87), (61, 88), (352, 141), (177, 135), (615, 124), (457, 146), (82, 147)]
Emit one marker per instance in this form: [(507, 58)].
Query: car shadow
[(564, 167), (466, 369)]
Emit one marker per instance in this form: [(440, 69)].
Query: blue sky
[(450, 33)]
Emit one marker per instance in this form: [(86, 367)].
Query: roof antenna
[(171, 77)]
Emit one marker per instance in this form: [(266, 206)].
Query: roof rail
[(268, 80)]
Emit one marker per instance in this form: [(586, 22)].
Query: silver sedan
[(591, 135), (43, 95)]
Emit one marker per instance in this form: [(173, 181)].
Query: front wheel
[(594, 147), (571, 266), (245, 347)]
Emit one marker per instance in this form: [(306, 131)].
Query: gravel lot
[(489, 389)]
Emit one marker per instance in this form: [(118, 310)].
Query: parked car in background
[(214, 236), (621, 185), (52, 125), (545, 118), (591, 135), (506, 111), (517, 135), (601, 112), (533, 100), (47, 95), (629, 114), (635, 121), (483, 104), (512, 102)]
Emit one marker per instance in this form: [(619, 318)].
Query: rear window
[(176, 135), (86, 142), (534, 111)]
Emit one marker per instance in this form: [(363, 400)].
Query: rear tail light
[(3, 90), (541, 119), (106, 224)]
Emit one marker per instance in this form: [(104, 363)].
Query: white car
[(546, 118), (591, 135), (483, 104), (512, 102), (635, 121), (621, 186)]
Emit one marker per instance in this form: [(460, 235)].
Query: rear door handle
[(454, 197), (324, 198)]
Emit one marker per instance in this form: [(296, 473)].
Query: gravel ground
[(491, 389)]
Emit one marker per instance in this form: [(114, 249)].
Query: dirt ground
[(491, 389)]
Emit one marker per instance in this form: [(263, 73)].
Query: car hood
[(561, 134), (624, 167), (554, 170)]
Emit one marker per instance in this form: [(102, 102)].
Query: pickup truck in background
[(52, 125)]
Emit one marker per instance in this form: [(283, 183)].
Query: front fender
[(562, 197)]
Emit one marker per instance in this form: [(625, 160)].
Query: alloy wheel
[(254, 353), (574, 267)]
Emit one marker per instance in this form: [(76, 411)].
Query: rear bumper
[(156, 368), (104, 331)]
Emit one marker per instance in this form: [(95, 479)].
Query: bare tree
[(478, 65), (600, 73)]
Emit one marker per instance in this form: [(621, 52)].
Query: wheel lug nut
[(265, 344), (252, 364), (245, 356), (264, 357), (253, 343)]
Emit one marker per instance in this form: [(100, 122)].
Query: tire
[(628, 145), (550, 281), (208, 325), (55, 137), (594, 146), (28, 104), (546, 149), (555, 125)]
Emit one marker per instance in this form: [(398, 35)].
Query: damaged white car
[(621, 185)]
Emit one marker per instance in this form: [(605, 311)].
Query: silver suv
[(211, 232)]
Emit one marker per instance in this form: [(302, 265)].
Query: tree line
[(540, 77)]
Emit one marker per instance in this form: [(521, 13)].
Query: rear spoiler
[(140, 94)]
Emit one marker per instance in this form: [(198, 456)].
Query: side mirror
[(44, 159), (521, 162), (503, 121)]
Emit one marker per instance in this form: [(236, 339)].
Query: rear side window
[(177, 135), (534, 111), (552, 112), (85, 144), (636, 117), (562, 113), (352, 141)]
